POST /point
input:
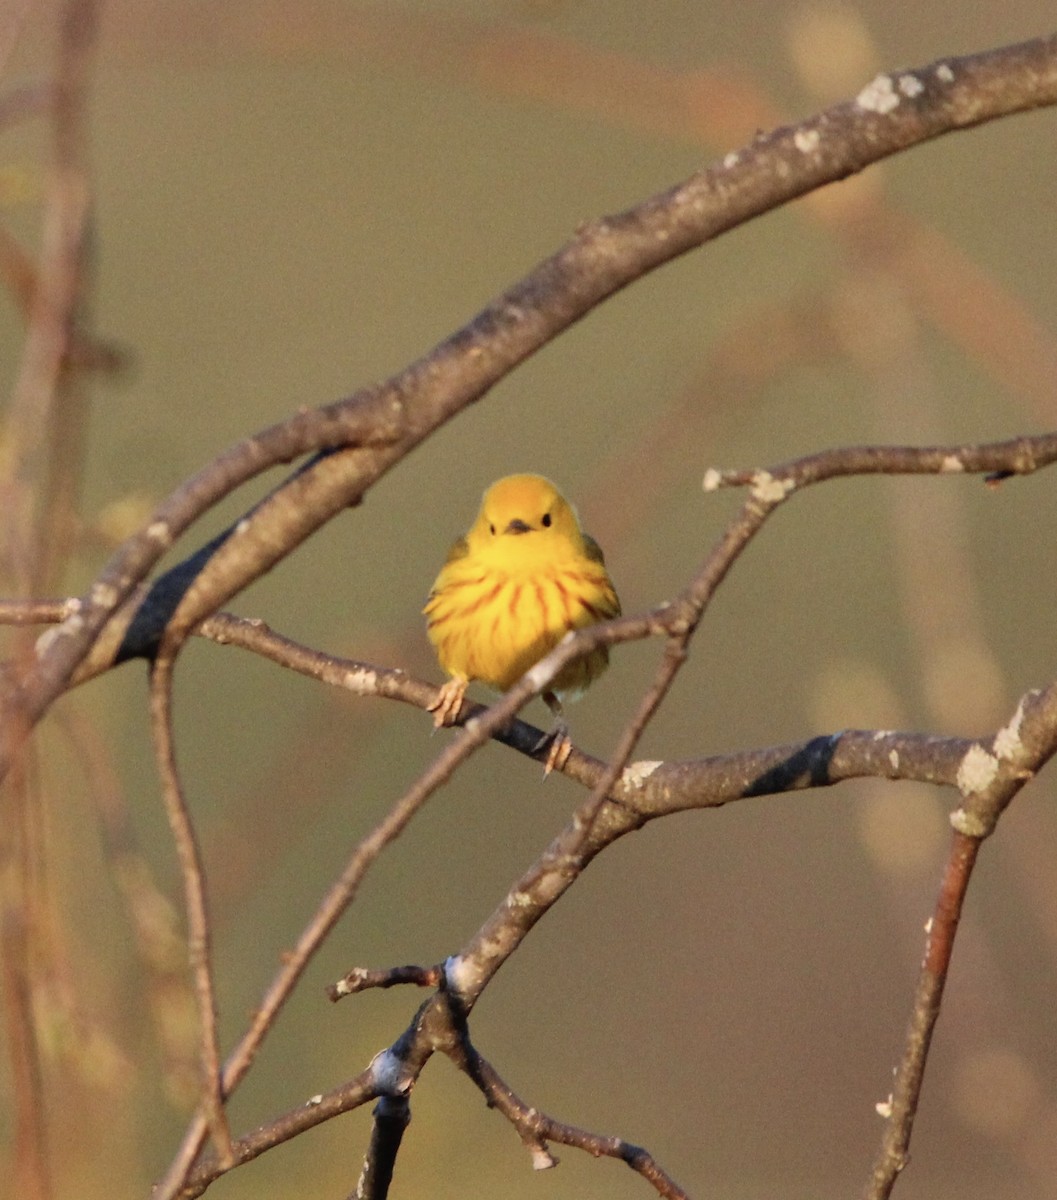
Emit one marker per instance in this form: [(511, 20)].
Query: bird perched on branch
[(521, 578)]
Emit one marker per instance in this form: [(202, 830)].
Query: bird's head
[(528, 508)]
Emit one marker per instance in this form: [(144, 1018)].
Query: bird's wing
[(593, 550)]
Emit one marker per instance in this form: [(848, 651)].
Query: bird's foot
[(445, 708), (559, 748)]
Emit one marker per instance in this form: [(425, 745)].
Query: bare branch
[(383, 424), (901, 1106), (536, 1129), (645, 791), (314, 1111), (359, 979), (37, 612), (1015, 456), (198, 932), (392, 1114)]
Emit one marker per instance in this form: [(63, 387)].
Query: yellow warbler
[(510, 590)]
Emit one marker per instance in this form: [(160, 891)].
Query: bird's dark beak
[(518, 526)]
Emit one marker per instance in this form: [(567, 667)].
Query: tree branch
[(536, 1129), (198, 933), (377, 427), (901, 1106), (392, 1115)]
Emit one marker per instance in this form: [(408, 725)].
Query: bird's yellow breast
[(493, 625), (522, 577)]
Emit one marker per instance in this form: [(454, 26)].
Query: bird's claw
[(445, 708), (559, 748)]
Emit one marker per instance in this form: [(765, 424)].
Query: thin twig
[(536, 1128), (37, 612), (315, 1111), (1012, 456), (901, 1106), (359, 979), (198, 931), (653, 790), (334, 903), (680, 620)]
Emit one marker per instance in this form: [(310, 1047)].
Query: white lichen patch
[(951, 464), (944, 74), (390, 1073), (159, 531), (910, 86), (542, 1159), (807, 140), (315, 1100), (458, 973), (884, 1107), (713, 480), (893, 758), (103, 594), (977, 770), (636, 773), (242, 527), (731, 160), (879, 96), (362, 681), (1008, 744), (768, 490), (968, 823)]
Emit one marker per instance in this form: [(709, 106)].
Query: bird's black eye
[(546, 521), (491, 528)]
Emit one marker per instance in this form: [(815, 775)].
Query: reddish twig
[(901, 1106)]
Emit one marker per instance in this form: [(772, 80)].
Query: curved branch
[(377, 427), (987, 773), (199, 934), (536, 1128)]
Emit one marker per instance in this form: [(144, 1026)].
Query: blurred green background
[(296, 199)]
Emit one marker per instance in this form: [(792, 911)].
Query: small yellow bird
[(510, 590)]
